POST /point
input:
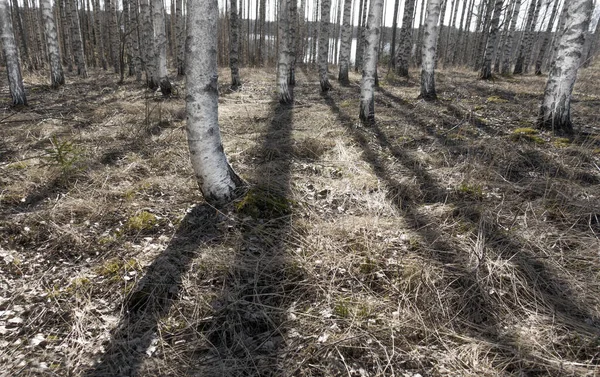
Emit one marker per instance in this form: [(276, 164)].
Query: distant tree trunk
[(532, 37), (98, 32), (523, 46), (234, 44), (467, 34), (485, 32), (66, 35), (367, 87), (456, 46), (346, 43), (441, 32), (546, 41), (360, 37), (293, 29), (148, 46), (508, 46), (394, 29), (135, 40), (158, 16), (216, 179), (593, 46), (504, 35), (180, 39), (403, 58), (126, 41), (450, 36), (11, 58), (57, 77), (555, 112), (486, 71), (23, 36), (261, 42), (430, 37), (324, 45), (419, 43), (78, 53), (113, 34), (283, 65)]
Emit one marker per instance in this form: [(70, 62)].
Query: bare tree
[(216, 179), (283, 65), (234, 45), (367, 87), (179, 37), (57, 77), (324, 45), (490, 49), (11, 58), (555, 112), (430, 37), (507, 53), (73, 16), (403, 58), (546, 40), (158, 16), (346, 43)]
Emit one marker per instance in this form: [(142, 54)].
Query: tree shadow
[(475, 312), (243, 333)]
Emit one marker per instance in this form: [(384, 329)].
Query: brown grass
[(444, 240)]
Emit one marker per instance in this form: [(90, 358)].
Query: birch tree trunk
[(73, 16), (403, 59), (148, 46), (508, 46), (66, 35), (546, 41), (283, 64), (11, 58), (455, 47), (158, 16), (293, 24), (98, 32), (430, 37), (25, 57), (216, 179), (519, 65), (367, 86), (180, 39), (360, 37), (113, 33), (234, 45), (394, 30), (346, 43), (324, 45), (555, 112), (57, 77), (486, 70)]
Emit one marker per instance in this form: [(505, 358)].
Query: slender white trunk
[(179, 33), (216, 179), (555, 112), (367, 87), (283, 64), (430, 37), (293, 23), (57, 77), (160, 34), (507, 53), (324, 45), (9, 49), (73, 16), (546, 41), (486, 70), (346, 43), (148, 46), (403, 58), (234, 44)]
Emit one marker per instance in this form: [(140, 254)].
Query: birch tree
[(324, 45), (490, 49), (367, 87), (160, 34), (234, 45), (216, 179), (546, 40), (403, 58), (283, 64), (73, 16), (57, 77), (555, 111), (430, 36), (346, 43), (11, 58), (179, 32), (506, 60)]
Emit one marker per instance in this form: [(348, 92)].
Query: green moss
[(368, 266), (561, 142), (472, 191), (342, 309), (141, 222), (265, 204), (496, 99), (527, 134), (346, 103), (117, 267)]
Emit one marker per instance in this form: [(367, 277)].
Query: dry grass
[(447, 239)]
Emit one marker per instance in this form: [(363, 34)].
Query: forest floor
[(449, 238)]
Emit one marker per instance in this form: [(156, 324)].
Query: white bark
[(234, 44), (179, 33), (57, 77), (148, 46), (160, 34), (346, 43), (283, 64), (216, 179), (403, 59), (430, 37), (486, 71), (555, 112), (324, 45), (367, 87), (76, 40), (507, 53), (9, 49)]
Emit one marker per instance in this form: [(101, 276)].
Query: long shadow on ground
[(475, 312), (243, 334)]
